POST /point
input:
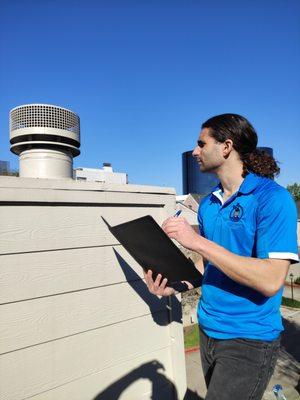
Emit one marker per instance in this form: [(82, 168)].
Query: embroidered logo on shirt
[(236, 213)]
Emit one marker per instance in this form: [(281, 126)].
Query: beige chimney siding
[(72, 321)]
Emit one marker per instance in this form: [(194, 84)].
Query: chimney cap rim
[(42, 104)]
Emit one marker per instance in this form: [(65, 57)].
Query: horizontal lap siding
[(37, 369), (134, 379), (46, 273), (75, 314), (40, 320), (41, 228)]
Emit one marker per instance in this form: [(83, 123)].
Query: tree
[(294, 189)]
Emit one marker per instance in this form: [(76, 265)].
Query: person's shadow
[(156, 306), (162, 387), (163, 311)]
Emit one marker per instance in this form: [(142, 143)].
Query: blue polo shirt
[(259, 220)]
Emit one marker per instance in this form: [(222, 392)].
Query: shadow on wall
[(156, 306), (153, 371)]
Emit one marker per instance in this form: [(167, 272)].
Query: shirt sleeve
[(200, 220), (277, 227)]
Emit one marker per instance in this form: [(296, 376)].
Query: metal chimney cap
[(33, 124)]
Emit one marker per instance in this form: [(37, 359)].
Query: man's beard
[(205, 168)]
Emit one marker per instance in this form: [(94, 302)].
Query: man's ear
[(227, 147)]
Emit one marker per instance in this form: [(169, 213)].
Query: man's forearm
[(264, 275)]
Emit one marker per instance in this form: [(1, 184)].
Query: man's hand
[(158, 287), (180, 230)]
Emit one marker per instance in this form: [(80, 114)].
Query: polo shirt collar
[(250, 183), (218, 192)]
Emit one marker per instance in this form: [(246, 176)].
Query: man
[(248, 240)]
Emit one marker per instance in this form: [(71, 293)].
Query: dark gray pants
[(237, 369)]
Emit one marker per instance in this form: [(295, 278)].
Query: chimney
[(107, 167), (46, 138)]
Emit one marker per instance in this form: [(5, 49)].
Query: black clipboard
[(148, 244)]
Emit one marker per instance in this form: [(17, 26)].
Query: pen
[(177, 213)]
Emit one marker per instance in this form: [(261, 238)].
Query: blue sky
[(143, 75)]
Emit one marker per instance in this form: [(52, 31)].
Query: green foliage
[(191, 336), (294, 189), (297, 280), (290, 303)]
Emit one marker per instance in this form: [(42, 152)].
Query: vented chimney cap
[(44, 126)]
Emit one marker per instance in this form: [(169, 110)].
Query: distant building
[(267, 150), (189, 204), (193, 180), (106, 174), (4, 167), (191, 201)]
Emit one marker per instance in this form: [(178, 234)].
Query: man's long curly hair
[(244, 138)]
